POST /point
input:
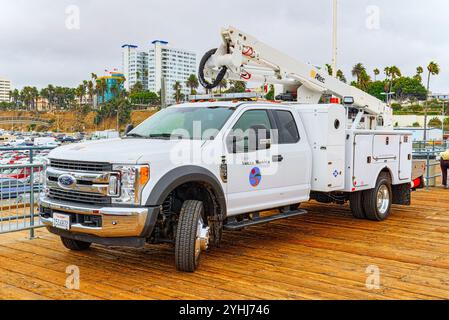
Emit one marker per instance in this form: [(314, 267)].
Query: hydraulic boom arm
[(243, 57)]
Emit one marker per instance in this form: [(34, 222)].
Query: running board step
[(233, 226)]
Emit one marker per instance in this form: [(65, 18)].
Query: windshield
[(198, 123)]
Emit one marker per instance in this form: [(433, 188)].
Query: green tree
[(357, 71), (236, 86), (79, 92), (100, 88), (408, 88), (144, 97), (90, 90), (376, 72), (419, 72), (192, 83), (222, 85), (341, 76), (137, 87), (433, 69), (364, 80), (178, 95), (435, 123), (377, 89), (329, 69)]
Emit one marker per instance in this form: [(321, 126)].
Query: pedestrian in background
[(444, 162)]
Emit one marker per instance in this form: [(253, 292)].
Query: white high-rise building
[(5, 88), (135, 66), (171, 64)]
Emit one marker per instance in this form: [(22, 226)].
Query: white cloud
[(37, 48)]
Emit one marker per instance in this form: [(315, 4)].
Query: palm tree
[(222, 85), (101, 87), (178, 95), (90, 90), (392, 72), (419, 72), (364, 80), (376, 73), (137, 87), (395, 72), (341, 76), (357, 71), (192, 83), (15, 95), (433, 69), (79, 92), (237, 86), (329, 69), (114, 90)]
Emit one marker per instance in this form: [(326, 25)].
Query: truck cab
[(193, 170)]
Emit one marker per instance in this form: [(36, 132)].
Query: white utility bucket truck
[(249, 157)]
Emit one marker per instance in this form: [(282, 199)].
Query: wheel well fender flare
[(181, 175), (387, 170)]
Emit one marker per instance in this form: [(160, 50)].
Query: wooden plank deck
[(322, 255)]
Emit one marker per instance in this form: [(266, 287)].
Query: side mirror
[(129, 128)]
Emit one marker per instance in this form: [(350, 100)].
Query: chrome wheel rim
[(202, 238), (383, 199)]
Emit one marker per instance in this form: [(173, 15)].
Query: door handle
[(278, 158)]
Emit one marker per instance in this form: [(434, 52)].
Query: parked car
[(13, 188)]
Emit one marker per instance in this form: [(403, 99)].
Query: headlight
[(132, 181)]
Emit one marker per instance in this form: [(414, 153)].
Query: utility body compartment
[(325, 125), (369, 152)]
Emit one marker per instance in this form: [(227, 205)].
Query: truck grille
[(80, 197), (80, 165)]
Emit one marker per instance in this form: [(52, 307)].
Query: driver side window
[(244, 136)]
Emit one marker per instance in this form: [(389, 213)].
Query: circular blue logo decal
[(66, 181), (255, 177)]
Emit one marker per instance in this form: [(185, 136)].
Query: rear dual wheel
[(374, 204)]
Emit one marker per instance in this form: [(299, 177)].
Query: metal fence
[(21, 182), (430, 151)]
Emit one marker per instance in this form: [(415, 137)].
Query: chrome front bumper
[(115, 221)]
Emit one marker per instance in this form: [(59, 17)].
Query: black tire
[(370, 199), (356, 205), (186, 257), (75, 245)]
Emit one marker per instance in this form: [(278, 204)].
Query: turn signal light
[(144, 175)]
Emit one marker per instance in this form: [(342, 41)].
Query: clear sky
[(41, 41)]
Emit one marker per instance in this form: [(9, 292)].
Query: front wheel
[(192, 236), (377, 201)]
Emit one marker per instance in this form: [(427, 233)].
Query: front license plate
[(61, 221)]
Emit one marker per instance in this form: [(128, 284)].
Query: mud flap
[(402, 194)]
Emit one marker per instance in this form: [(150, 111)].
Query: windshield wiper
[(166, 135), (136, 135)]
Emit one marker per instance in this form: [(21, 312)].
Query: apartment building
[(171, 64), (135, 66), (161, 62), (5, 88)]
